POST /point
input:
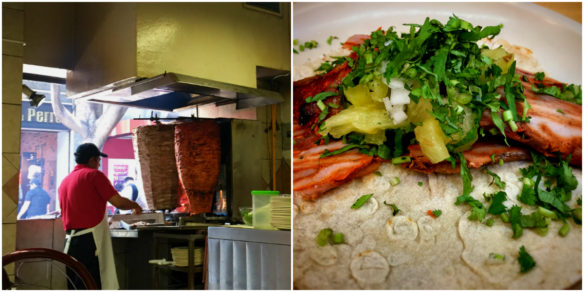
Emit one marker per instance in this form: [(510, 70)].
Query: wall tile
[(9, 209), (10, 189), (11, 115), (12, 49), (12, 80), (8, 243), (13, 24), (10, 166), (8, 237), (13, 5)]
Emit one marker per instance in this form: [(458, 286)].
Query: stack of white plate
[(281, 211), (180, 256)]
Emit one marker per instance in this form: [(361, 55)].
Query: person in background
[(36, 201), (83, 195)]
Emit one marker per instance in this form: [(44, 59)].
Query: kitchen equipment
[(170, 91), (262, 208), (151, 217)]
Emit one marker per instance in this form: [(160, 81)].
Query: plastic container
[(262, 218)]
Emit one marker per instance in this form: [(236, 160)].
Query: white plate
[(555, 40)]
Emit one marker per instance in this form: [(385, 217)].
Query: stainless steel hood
[(171, 91)]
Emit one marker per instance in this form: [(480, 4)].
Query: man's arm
[(125, 204), (23, 209)]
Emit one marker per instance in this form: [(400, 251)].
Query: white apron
[(103, 251)]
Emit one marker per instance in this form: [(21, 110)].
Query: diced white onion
[(381, 70), (388, 42), (396, 83), (400, 96), (387, 103), (399, 117)]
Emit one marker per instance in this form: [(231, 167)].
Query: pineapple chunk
[(358, 95), (377, 138), (500, 57), (467, 125), (369, 119), (432, 140), (419, 112), (378, 90)]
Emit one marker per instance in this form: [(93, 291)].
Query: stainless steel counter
[(123, 233), (243, 258)]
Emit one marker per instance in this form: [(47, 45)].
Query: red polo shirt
[(83, 195)]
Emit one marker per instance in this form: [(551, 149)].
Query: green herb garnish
[(361, 201), (330, 39), (338, 238), (394, 207), (496, 179), (323, 236), (525, 260)]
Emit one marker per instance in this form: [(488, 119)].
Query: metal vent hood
[(172, 91)]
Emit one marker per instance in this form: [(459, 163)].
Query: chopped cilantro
[(361, 201), (561, 111), (496, 179), (571, 92), (327, 153), (515, 219), (525, 260), (420, 183), (311, 44), (539, 76), (378, 173), (496, 257), (330, 39), (326, 236), (323, 236), (564, 230), (321, 96), (437, 213), (394, 207), (497, 206), (338, 238)]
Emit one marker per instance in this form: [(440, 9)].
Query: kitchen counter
[(133, 233), (245, 258), (123, 233)]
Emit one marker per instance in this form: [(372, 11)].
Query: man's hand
[(136, 209), (125, 204)]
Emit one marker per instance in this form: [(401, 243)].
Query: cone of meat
[(198, 159), (154, 149)]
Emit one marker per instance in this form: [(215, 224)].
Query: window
[(44, 151)]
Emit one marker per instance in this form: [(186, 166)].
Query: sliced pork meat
[(555, 126), (481, 154)]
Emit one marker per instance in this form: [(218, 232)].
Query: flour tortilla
[(415, 251)]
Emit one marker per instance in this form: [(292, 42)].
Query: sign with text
[(41, 117), (119, 169)]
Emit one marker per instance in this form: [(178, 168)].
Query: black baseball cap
[(88, 150)]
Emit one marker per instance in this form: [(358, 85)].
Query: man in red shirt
[(83, 196)]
